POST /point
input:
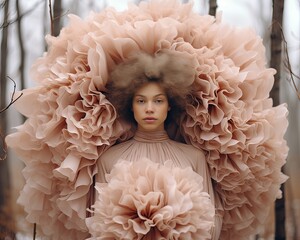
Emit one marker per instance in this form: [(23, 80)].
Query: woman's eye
[(140, 101), (159, 100)]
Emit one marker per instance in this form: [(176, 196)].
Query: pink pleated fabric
[(229, 115), (145, 199), (157, 147)]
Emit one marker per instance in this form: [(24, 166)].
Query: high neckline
[(151, 137)]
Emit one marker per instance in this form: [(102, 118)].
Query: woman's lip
[(149, 118)]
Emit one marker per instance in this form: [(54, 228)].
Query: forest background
[(24, 24)]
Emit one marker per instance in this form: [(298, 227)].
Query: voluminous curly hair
[(174, 71)]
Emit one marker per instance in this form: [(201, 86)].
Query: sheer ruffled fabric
[(158, 147), (70, 123), (146, 200)]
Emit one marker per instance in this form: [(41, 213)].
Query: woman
[(151, 91)]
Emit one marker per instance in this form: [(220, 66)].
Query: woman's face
[(150, 107)]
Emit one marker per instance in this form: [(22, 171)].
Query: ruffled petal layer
[(145, 200), (70, 123)]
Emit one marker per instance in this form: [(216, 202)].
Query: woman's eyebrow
[(141, 95)]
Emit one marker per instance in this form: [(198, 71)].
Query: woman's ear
[(169, 108)]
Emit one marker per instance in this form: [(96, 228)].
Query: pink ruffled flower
[(145, 200)]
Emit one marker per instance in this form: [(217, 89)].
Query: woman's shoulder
[(185, 145), (189, 149), (115, 150)]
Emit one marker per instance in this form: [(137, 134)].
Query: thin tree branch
[(2, 4), (12, 100), (287, 65), (287, 62), (9, 22)]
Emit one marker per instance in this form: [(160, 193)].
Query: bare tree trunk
[(21, 48), (45, 24), (213, 7), (6, 218), (57, 13), (21, 45), (276, 47), (4, 182), (276, 60)]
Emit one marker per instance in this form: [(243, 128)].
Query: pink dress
[(158, 147)]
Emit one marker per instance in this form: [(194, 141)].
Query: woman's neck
[(151, 136)]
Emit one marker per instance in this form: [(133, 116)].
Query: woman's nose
[(149, 107)]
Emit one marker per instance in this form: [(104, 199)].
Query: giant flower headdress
[(70, 122)]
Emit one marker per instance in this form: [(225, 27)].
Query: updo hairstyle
[(173, 70)]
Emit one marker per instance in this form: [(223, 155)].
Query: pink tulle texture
[(145, 200), (70, 122)]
